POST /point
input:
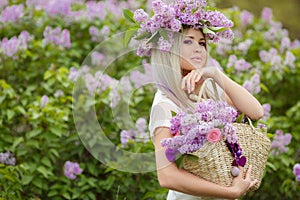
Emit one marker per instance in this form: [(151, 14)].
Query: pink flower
[(214, 135)]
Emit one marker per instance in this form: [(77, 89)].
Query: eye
[(187, 41), (202, 44)]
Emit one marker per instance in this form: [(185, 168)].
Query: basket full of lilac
[(210, 132)]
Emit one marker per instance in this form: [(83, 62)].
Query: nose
[(198, 48)]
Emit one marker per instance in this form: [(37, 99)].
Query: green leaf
[(142, 36), (217, 29), (10, 114), (128, 15), (26, 179), (17, 142), (207, 31), (179, 160), (240, 118), (46, 162), (57, 131), (154, 38), (128, 35), (33, 133), (163, 32)]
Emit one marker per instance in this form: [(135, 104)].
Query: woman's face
[(193, 51)]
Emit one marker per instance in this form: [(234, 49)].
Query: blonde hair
[(167, 73)]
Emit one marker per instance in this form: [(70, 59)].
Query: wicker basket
[(214, 163)]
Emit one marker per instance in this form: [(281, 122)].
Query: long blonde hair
[(167, 74)]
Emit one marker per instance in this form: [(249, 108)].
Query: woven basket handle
[(213, 83), (201, 95)]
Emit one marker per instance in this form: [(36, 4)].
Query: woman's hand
[(196, 78), (240, 184)]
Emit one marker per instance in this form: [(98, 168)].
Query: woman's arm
[(235, 94), (171, 177), (239, 97)]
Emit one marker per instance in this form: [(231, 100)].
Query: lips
[(197, 59)]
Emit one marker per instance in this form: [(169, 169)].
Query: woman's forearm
[(239, 96)]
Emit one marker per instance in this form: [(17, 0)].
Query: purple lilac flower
[(10, 47), (71, 169), (96, 10), (285, 44), (290, 59), (246, 18), (12, 13), (244, 46), (91, 83), (139, 79), (3, 4), (280, 142), (140, 15), (253, 85), (267, 14), (242, 65), (114, 97), (267, 110), (57, 37), (97, 58), (296, 171), (295, 44), (44, 101), (194, 125), (7, 158), (57, 7), (58, 93), (127, 135)]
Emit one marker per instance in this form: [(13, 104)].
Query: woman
[(186, 76), (179, 67)]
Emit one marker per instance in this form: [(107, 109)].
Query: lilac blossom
[(12, 13), (3, 4), (295, 44), (290, 59), (139, 79), (138, 134), (140, 15), (7, 158), (280, 142), (72, 169), (96, 10), (246, 18), (58, 93), (44, 101), (253, 85), (98, 34), (171, 17), (10, 47), (75, 74), (190, 128), (267, 14), (57, 37), (96, 58), (296, 171), (57, 7), (285, 44), (267, 110), (244, 46)]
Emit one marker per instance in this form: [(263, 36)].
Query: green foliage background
[(43, 138)]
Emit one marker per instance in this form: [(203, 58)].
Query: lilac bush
[(43, 46)]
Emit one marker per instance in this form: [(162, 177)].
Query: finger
[(183, 83), (248, 173), (194, 79)]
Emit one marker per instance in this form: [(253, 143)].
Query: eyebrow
[(192, 37)]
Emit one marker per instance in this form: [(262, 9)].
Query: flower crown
[(170, 18)]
